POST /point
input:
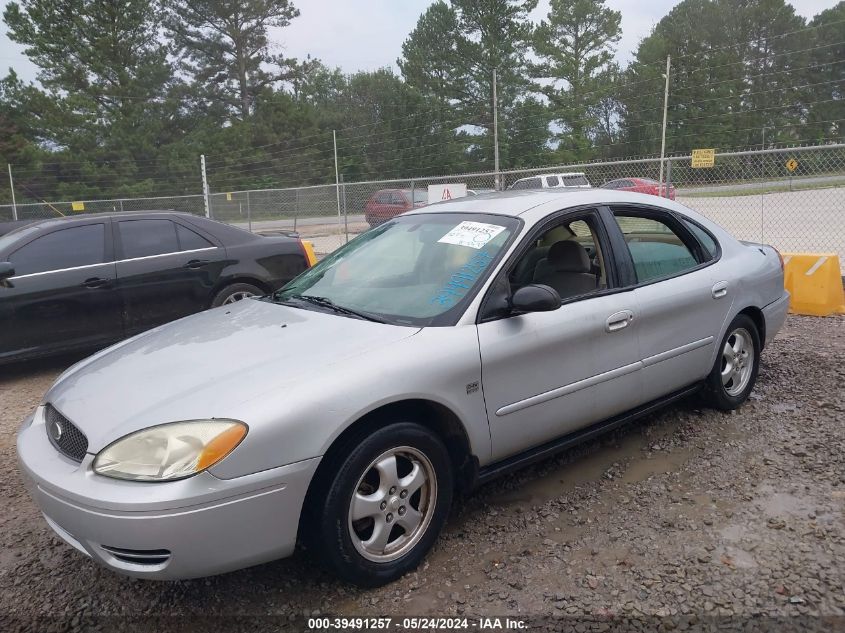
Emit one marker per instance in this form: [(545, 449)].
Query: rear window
[(528, 183), (704, 238), (142, 238), (575, 181), (552, 181)]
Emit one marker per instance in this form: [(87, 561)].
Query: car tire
[(234, 293), (737, 363), (369, 528)]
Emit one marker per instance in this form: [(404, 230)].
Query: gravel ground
[(690, 517)]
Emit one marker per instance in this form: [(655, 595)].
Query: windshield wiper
[(325, 302)]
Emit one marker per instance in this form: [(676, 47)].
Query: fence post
[(248, 212), (336, 177), (12, 186), (345, 214), (668, 176), (205, 187)]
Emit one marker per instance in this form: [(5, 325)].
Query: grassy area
[(763, 189)]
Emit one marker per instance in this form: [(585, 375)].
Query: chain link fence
[(791, 198)]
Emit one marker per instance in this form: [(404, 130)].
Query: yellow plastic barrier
[(308, 245), (814, 281)]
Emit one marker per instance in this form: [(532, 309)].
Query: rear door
[(681, 297), (63, 294), (165, 270)]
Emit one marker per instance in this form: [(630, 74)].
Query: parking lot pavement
[(689, 512)]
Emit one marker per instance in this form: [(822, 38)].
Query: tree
[(224, 47), (825, 78), (103, 108), (576, 45), (451, 54), (735, 64)]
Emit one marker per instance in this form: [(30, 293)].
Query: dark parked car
[(386, 204), (90, 280), (641, 185)]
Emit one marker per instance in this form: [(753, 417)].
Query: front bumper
[(190, 528)]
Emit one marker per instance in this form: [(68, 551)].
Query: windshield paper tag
[(472, 234)]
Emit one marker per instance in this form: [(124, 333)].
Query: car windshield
[(419, 269)]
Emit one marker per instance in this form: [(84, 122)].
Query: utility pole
[(205, 187), (665, 107), (12, 187), (337, 180), (497, 185)]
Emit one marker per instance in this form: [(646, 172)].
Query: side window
[(566, 257), (190, 240), (552, 181), (382, 198), (655, 248), (142, 238), (66, 248), (704, 238), (398, 198)]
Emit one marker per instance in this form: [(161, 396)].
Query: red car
[(640, 185), (385, 204)]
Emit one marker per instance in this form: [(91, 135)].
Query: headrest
[(568, 257)]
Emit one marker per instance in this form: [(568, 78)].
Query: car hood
[(208, 364)]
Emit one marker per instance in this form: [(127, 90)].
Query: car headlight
[(170, 451)]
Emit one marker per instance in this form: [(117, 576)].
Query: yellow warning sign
[(702, 158), (229, 197), (792, 164), (77, 206)]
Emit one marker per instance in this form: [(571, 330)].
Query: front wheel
[(234, 293), (738, 361), (386, 504)]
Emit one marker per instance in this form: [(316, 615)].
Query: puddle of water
[(777, 503), (637, 465)]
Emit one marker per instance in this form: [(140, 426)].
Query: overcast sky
[(368, 34)]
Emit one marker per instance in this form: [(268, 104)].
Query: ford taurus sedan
[(87, 281), (440, 349)]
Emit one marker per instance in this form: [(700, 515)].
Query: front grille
[(64, 435), (139, 556)]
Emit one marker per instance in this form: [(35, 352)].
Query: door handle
[(720, 290), (96, 282), (618, 320), (197, 263)]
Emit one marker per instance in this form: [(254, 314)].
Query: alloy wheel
[(392, 504), (737, 361)]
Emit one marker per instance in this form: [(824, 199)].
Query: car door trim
[(193, 250), (61, 270), (672, 353), (570, 388)]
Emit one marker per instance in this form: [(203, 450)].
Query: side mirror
[(7, 270), (535, 298)]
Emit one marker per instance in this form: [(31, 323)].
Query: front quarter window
[(419, 269)]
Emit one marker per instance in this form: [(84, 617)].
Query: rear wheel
[(235, 293), (735, 371), (386, 504)]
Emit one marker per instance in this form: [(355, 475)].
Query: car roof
[(556, 173), (82, 217), (520, 202)]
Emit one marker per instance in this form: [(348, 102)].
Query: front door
[(63, 294), (546, 374)]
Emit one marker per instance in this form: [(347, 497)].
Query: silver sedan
[(440, 349)]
